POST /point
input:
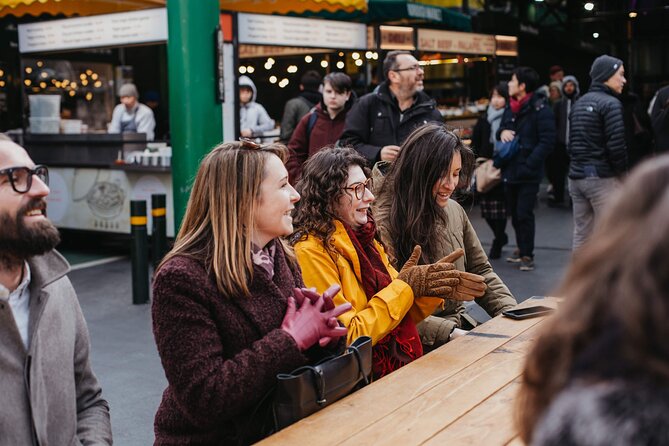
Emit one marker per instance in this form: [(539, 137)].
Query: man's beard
[(19, 241)]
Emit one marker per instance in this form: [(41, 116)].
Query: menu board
[(125, 28), (259, 29)]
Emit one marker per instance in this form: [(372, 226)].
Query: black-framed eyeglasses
[(416, 67), (359, 188), (21, 178), (248, 143)]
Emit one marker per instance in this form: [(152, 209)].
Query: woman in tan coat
[(414, 208)]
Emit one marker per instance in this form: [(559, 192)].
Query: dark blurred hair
[(390, 62), (502, 88), (311, 80), (340, 82), (527, 76), (613, 322), (555, 69), (323, 177), (425, 158)]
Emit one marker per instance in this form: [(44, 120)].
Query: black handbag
[(310, 388)]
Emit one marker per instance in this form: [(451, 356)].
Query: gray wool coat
[(50, 395)]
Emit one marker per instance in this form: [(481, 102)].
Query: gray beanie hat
[(604, 67), (128, 90)]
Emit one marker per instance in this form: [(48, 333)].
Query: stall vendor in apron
[(130, 116)]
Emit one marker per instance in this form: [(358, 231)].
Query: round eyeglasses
[(21, 178), (359, 188)]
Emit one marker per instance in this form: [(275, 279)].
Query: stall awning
[(19, 8), (327, 9), (406, 11)]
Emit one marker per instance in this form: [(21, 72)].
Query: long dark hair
[(613, 323), (425, 157), (323, 177)]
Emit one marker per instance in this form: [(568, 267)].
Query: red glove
[(312, 322), (328, 304)]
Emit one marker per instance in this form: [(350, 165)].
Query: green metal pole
[(196, 120)]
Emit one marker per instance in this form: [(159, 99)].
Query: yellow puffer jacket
[(375, 317)]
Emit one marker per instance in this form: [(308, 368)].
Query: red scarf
[(402, 345), (516, 105)]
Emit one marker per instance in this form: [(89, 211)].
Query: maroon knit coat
[(221, 355)]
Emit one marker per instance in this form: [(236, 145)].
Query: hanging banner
[(125, 28), (257, 29), (455, 42)]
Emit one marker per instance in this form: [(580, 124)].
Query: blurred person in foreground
[(415, 208), (50, 394), (598, 374), (229, 311), (336, 242), (380, 121)]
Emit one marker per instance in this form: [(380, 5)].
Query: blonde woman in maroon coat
[(228, 312)]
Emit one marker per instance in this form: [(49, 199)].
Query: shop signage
[(256, 29), (455, 42), (125, 28), (396, 38)]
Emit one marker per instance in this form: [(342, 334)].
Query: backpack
[(311, 123)]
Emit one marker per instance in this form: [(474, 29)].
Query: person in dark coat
[(380, 121), (300, 105), (493, 203), (659, 116), (638, 129), (228, 310), (557, 163), (597, 148), (530, 119), (598, 374), (323, 125)]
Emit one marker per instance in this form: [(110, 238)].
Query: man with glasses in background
[(380, 121), (49, 392)]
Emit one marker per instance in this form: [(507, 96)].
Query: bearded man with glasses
[(50, 394), (380, 121)]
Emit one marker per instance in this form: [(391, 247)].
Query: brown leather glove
[(435, 280), (470, 287)]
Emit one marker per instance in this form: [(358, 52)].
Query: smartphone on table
[(526, 313)]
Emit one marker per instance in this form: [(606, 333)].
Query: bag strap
[(354, 349)]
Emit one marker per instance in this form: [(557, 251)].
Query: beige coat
[(61, 399), (458, 233)]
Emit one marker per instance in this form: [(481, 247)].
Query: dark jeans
[(557, 165), (520, 201)]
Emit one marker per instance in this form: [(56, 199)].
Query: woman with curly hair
[(415, 208), (225, 300), (336, 242), (598, 374)]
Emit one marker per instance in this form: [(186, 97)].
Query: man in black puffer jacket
[(596, 145), (529, 118), (380, 121)]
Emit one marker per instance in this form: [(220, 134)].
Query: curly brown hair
[(613, 323), (323, 177)]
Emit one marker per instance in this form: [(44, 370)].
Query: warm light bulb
[(589, 6), (308, 58), (340, 65), (324, 63)]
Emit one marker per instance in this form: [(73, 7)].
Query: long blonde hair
[(218, 223)]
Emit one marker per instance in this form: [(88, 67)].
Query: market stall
[(71, 73)]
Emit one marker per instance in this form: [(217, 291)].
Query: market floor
[(124, 355)]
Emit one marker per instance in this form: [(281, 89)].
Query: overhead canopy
[(369, 11), (405, 11), (19, 8)]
